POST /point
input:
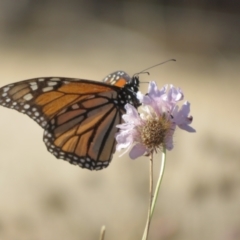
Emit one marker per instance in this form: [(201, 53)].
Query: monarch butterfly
[(79, 117)]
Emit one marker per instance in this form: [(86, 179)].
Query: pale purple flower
[(154, 127)]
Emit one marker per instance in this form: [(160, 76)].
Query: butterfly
[(79, 117)]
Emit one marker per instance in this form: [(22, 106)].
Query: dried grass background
[(42, 198)]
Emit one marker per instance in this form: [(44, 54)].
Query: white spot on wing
[(28, 97), (26, 106), (6, 89), (44, 124), (47, 89), (34, 87), (33, 83), (52, 83)]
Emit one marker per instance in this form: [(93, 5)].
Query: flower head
[(154, 127)]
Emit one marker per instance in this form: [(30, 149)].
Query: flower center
[(154, 132)]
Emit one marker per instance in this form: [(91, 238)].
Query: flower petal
[(154, 92), (187, 128), (145, 99), (169, 144), (182, 119), (124, 139), (168, 141), (175, 94), (137, 151), (131, 115)]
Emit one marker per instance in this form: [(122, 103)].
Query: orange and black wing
[(117, 78), (43, 98), (84, 133), (79, 116)]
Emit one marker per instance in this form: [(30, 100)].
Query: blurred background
[(42, 198)]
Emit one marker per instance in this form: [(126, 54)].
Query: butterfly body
[(78, 116)]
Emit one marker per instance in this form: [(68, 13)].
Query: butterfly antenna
[(144, 71)]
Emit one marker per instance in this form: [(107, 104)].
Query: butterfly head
[(131, 88), (134, 83)]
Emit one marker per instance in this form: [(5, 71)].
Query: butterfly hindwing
[(83, 133)]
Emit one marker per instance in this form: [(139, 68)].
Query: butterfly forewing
[(43, 98), (31, 96), (79, 116), (118, 78)]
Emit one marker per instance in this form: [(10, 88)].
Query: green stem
[(162, 168), (146, 231), (155, 196)]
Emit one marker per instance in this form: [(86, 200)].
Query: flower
[(154, 128)]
